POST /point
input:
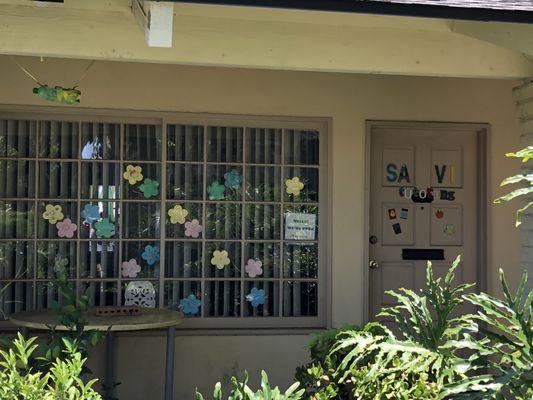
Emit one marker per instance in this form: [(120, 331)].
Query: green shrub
[(19, 381), (241, 391)]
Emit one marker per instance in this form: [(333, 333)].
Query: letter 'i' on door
[(423, 204)]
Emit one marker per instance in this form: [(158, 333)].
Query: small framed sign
[(300, 226)]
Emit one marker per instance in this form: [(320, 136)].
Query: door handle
[(373, 264)]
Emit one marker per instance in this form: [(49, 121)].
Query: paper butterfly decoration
[(256, 297), (139, 293), (193, 228), (294, 186), (190, 304), (233, 179), (216, 191), (150, 188), (133, 174), (130, 268), (151, 254), (66, 228), (220, 259), (177, 214), (53, 213), (104, 228), (91, 213), (254, 268)]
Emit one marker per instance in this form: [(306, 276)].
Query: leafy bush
[(241, 391), (62, 382)]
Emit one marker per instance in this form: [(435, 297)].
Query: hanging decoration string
[(26, 71), (84, 74)]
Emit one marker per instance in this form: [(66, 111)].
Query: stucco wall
[(349, 100)]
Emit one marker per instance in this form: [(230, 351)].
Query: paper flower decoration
[(233, 179), (66, 228), (256, 297), (190, 304), (216, 191), (220, 259), (177, 214), (91, 213), (150, 254), (294, 186), (130, 268), (53, 213), (104, 228), (254, 268), (150, 188), (133, 174), (193, 228)]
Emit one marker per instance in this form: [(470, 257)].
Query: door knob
[(373, 264)]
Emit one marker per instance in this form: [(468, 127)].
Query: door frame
[(483, 183)]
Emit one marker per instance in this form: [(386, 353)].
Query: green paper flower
[(150, 188), (216, 191), (104, 228)]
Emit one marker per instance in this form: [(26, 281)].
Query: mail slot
[(423, 254)]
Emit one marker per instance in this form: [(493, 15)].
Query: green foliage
[(241, 391), (526, 155), (19, 381)]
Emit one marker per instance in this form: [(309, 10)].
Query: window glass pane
[(300, 299), (18, 138), (263, 146), (58, 139), (300, 260), (141, 220), (262, 260), (99, 220), (224, 182), (222, 298), (301, 184), (223, 259), (301, 147), (58, 180), (184, 296), (100, 180), (16, 260), (185, 143), (103, 293), (185, 181), (223, 221), (261, 299), (263, 184), (183, 259), (184, 220), (224, 144), (143, 293), (52, 213), (140, 260), (100, 141), (262, 221), (52, 255), (15, 297), (146, 185), (17, 179), (142, 142), (16, 219), (99, 259)]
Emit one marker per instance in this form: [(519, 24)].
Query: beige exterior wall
[(349, 100)]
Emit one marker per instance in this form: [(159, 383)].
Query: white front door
[(424, 189)]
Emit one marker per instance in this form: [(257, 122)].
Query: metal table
[(148, 319)]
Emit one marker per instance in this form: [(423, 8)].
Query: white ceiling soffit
[(155, 19)]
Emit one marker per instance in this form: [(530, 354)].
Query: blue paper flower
[(91, 213), (233, 179), (150, 254), (190, 304), (256, 297)]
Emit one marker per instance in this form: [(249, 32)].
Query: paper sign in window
[(300, 226)]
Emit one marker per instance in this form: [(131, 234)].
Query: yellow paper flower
[(133, 174), (220, 259), (177, 214), (53, 213), (294, 186)]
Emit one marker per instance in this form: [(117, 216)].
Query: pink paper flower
[(66, 228), (193, 228), (254, 268), (130, 268)]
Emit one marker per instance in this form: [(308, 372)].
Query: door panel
[(423, 195)]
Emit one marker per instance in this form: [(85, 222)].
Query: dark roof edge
[(383, 8)]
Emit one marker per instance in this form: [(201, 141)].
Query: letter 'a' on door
[(424, 205)]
